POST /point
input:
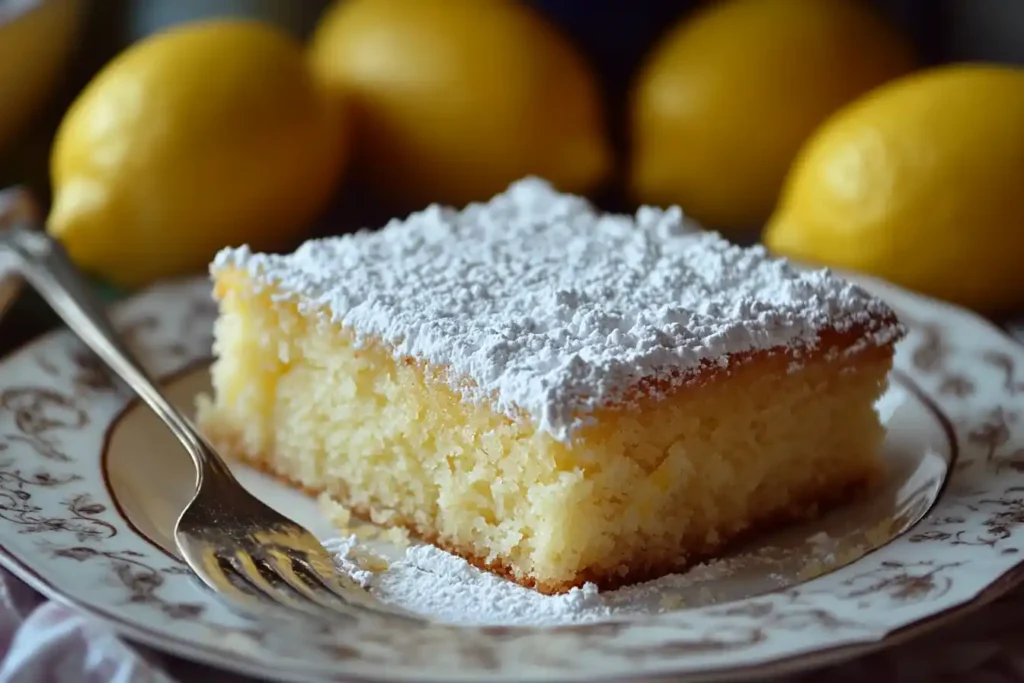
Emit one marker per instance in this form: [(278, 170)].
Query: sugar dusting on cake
[(553, 308), (432, 583)]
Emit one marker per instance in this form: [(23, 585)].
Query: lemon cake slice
[(550, 392)]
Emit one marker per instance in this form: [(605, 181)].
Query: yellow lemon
[(454, 99), (725, 100), (921, 183), (206, 135)]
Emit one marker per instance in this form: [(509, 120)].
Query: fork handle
[(48, 269)]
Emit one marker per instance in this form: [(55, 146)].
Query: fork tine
[(211, 573), (287, 596), (328, 577), (282, 565), (320, 567)]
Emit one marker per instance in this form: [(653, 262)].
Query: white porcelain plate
[(90, 487)]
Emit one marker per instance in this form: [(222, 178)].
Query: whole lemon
[(725, 100), (921, 183), (455, 99), (209, 134)]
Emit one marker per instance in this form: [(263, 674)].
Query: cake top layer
[(550, 307)]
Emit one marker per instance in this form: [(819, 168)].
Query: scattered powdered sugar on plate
[(435, 584), (430, 582)]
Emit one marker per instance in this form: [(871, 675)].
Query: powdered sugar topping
[(552, 308)]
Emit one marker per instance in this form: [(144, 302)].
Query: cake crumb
[(382, 517), (815, 568), (820, 538), (840, 553), (336, 513), (344, 521), (397, 536), (371, 562), (366, 532)]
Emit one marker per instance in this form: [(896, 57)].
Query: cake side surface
[(646, 486), (534, 303)]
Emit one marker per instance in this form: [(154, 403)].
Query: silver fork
[(237, 545)]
